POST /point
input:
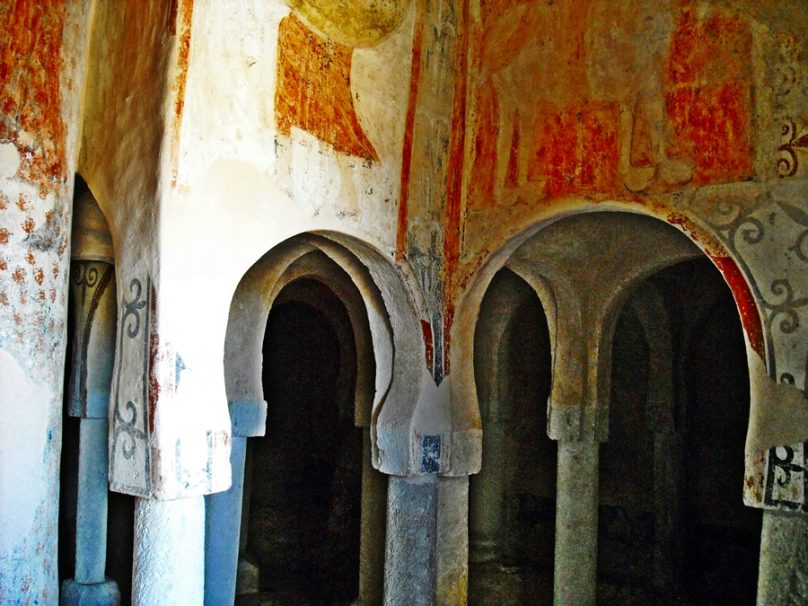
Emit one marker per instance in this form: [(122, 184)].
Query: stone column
[(783, 572), (94, 317), (487, 500), (584, 300), (576, 545), (409, 563), (90, 585), (169, 559), (426, 559), (668, 526), (453, 541), (371, 545), (663, 418), (223, 509)]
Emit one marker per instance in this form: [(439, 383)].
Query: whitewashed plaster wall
[(198, 184)]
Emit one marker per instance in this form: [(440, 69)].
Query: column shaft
[(576, 545), (222, 529), (91, 515), (487, 501), (426, 559), (452, 542), (668, 509), (371, 545), (409, 566), (169, 566), (783, 572)]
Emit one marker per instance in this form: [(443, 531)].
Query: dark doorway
[(304, 506), (672, 525), (512, 499)]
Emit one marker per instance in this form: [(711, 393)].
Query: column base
[(247, 578), (98, 594)]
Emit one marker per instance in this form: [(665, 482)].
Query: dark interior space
[(121, 542), (304, 508), (68, 493), (672, 525), (512, 500)]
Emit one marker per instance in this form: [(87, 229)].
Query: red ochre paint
[(744, 299), (30, 97), (454, 185), (313, 92), (154, 384), (429, 353), (406, 152), (183, 61)]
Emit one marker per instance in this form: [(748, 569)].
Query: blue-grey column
[(93, 299), (410, 554), (223, 510), (426, 555)]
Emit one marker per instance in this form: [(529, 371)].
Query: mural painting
[(30, 115), (314, 89), (611, 98)]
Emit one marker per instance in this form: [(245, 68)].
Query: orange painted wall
[(565, 125), (30, 70), (314, 89)]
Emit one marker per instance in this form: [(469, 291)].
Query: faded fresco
[(611, 97), (314, 89)]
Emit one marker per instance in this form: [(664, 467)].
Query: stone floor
[(283, 599), (493, 584)]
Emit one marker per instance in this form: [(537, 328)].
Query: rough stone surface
[(783, 576), (575, 578), (169, 559), (410, 558)]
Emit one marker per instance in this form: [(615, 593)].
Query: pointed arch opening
[(672, 527), (512, 499), (309, 347)]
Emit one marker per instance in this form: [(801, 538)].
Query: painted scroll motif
[(129, 459)]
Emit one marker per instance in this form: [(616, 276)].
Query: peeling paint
[(314, 90), (30, 74)]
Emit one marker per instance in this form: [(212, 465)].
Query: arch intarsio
[(381, 320), (696, 237), (583, 266)]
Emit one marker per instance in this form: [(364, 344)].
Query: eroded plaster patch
[(9, 160)]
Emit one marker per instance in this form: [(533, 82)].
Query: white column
[(783, 572), (169, 559)]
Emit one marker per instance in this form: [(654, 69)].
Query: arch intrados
[(387, 302), (493, 325), (317, 267)]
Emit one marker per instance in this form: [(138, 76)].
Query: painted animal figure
[(547, 55)]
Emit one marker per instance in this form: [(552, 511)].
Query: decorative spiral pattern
[(127, 427)]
